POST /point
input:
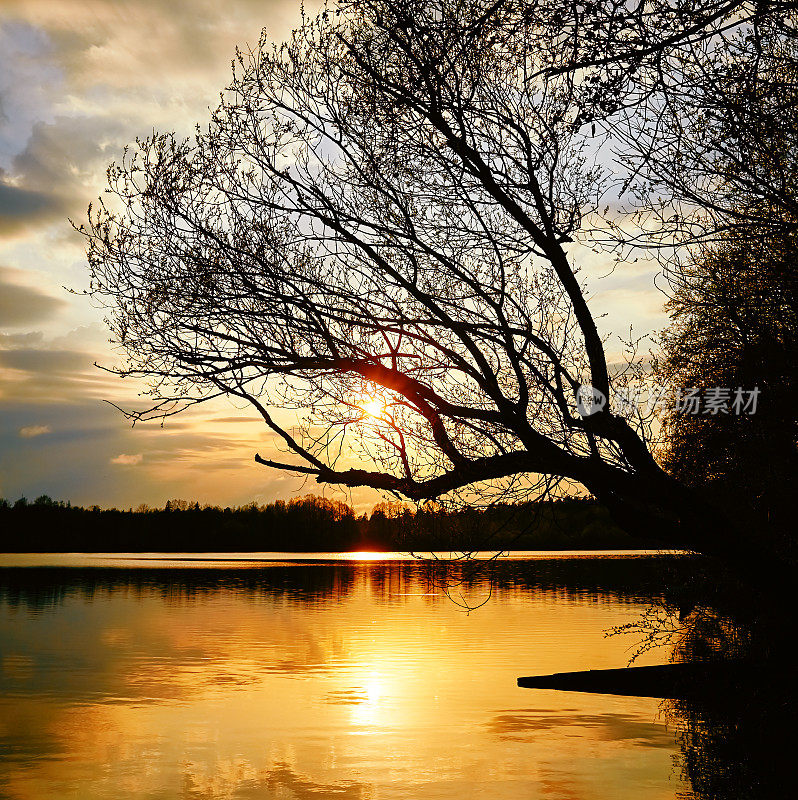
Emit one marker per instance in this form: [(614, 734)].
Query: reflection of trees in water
[(738, 744), (741, 749), (48, 587), (622, 579)]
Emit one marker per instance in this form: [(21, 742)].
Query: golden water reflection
[(356, 680)]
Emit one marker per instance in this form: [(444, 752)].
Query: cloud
[(29, 431), (52, 376), (78, 81), (190, 456), (131, 460), (60, 170), (21, 304), (34, 369), (43, 362), (21, 208), (126, 42), (30, 82)]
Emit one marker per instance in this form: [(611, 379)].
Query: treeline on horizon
[(307, 524)]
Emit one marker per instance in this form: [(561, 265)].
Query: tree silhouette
[(379, 227), (735, 324), (734, 300)]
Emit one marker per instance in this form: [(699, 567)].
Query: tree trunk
[(657, 506)]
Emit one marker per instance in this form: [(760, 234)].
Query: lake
[(324, 676)]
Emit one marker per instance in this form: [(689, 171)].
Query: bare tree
[(378, 227)]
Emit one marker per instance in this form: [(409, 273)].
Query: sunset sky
[(79, 79)]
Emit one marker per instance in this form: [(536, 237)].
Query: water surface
[(266, 676)]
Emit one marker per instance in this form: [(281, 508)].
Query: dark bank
[(308, 524)]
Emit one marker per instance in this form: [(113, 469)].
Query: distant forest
[(306, 524)]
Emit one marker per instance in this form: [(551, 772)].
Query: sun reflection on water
[(348, 680), (369, 710)]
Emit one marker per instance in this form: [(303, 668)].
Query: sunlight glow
[(373, 407), (370, 711), (366, 555)]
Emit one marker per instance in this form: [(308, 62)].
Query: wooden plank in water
[(662, 680)]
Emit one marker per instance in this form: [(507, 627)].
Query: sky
[(80, 79)]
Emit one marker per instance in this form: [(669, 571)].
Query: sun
[(373, 407)]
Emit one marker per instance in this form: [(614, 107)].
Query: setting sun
[(373, 407), (367, 555)]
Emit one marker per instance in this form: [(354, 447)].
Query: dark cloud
[(55, 175), (24, 305), (21, 208), (26, 339), (37, 371), (44, 362), (125, 67), (69, 150), (73, 461)]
